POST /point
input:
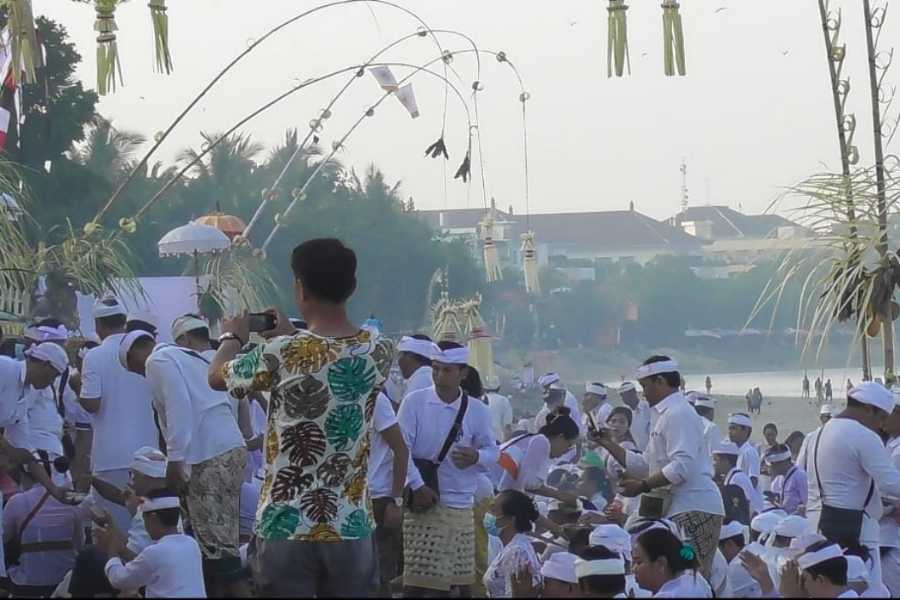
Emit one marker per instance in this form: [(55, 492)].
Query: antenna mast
[(684, 189)]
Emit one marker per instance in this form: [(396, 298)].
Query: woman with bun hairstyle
[(666, 566), (525, 459), (511, 516)]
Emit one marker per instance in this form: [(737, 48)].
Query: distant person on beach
[(805, 387), (829, 396), (819, 389), (708, 385)]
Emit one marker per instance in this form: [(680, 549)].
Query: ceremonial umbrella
[(228, 224), (193, 239)]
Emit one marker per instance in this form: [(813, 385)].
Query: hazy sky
[(753, 115)]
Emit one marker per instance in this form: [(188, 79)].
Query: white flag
[(408, 99), (385, 78)]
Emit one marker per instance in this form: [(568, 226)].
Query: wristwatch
[(228, 335), (398, 501)]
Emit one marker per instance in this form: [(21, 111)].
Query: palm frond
[(238, 280)]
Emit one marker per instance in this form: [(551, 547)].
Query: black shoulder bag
[(841, 526), (428, 468)]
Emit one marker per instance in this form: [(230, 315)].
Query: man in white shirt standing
[(205, 449), (414, 360), (551, 381), (640, 414), (740, 428), (501, 410), (448, 434), (706, 408), (120, 405), (674, 475), (596, 404)]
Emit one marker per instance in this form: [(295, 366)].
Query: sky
[(753, 116)]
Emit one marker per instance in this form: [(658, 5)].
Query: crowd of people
[(327, 460)]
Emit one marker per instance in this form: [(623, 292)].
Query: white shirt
[(688, 585), (737, 477), (533, 466), (890, 532), (740, 583), (712, 434), (600, 414), (850, 455), (124, 421), (12, 389), (501, 414), (633, 590), (421, 379), (45, 425), (677, 448), (54, 522), (719, 576), (517, 553), (640, 424), (138, 538), (247, 507), (381, 458), (170, 568), (426, 420), (197, 421), (748, 460)]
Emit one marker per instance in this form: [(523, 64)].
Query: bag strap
[(32, 515), (455, 429), (60, 403), (515, 441), (819, 481)]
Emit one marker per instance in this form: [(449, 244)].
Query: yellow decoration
[(128, 225), (161, 35), (491, 258), (90, 228), (108, 65), (673, 39), (26, 53), (617, 49), (481, 354), (530, 264)]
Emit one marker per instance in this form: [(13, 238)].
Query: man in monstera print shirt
[(313, 523)]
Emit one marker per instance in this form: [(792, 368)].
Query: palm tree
[(225, 175)]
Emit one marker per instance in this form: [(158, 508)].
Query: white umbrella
[(193, 239)]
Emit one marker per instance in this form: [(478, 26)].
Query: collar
[(731, 473), (668, 402), (435, 399), (423, 368)]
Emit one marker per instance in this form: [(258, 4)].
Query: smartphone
[(591, 425), (260, 322)]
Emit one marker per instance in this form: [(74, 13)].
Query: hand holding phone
[(260, 322)]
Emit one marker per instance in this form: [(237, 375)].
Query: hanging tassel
[(481, 353), (26, 53), (673, 39), (161, 35), (530, 264), (491, 258), (617, 49), (108, 65)]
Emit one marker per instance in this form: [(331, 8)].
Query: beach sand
[(788, 414)]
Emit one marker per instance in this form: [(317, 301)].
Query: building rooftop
[(728, 223)]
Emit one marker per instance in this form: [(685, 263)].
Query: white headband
[(705, 403), (186, 323), (424, 348), (779, 457), (51, 354), (665, 366), (740, 419), (626, 387), (548, 379), (149, 461), (127, 342), (826, 409), (613, 537), (596, 388), (791, 526), (609, 566), (873, 394), (810, 559), (561, 566), (452, 356), (45, 333), (732, 529), (153, 504), (102, 311), (726, 448)]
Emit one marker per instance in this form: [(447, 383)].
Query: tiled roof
[(728, 223)]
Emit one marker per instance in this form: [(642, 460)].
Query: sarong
[(439, 548), (701, 530)]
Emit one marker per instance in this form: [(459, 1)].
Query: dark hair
[(621, 410), (579, 539), (138, 325), (770, 426), (554, 395), (737, 539), (604, 586), (851, 403), (560, 423), (732, 458), (448, 345), (471, 383), (794, 435), (326, 269), (673, 378), (521, 508), (113, 322), (422, 360), (167, 516), (834, 569), (777, 449), (663, 543), (201, 334)]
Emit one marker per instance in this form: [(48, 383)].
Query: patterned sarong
[(701, 530), (439, 548), (213, 503)]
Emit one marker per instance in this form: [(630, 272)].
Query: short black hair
[(663, 543), (471, 383), (326, 269), (169, 517), (139, 325), (560, 422), (834, 569), (732, 458), (448, 345), (672, 378), (771, 426), (201, 334), (113, 322), (602, 586)]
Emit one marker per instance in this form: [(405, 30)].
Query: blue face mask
[(20, 351), (490, 525)]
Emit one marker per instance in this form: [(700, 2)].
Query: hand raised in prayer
[(631, 487), (424, 498), (283, 325), (522, 584), (176, 477), (463, 457), (791, 582), (239, 325), (758, 570)]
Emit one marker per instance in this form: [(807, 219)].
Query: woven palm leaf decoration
[(108, 65), (26, 54), (530, 264), (673, 39), (491, 257), (160, 21), (446, 322), (617, 50), (481, 353)]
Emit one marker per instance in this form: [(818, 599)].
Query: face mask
[(20, 351), (490, 525)]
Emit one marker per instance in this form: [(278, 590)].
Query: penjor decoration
[(491, 258), (481, 354), (673, 39), (24, 47), (617, 51), (160, 21), (530, 264), (108, 65)]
